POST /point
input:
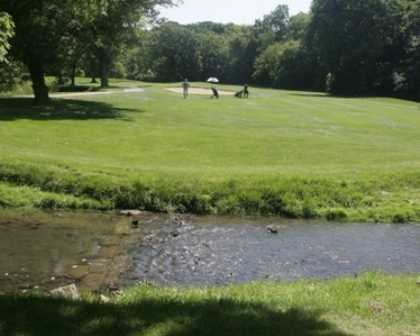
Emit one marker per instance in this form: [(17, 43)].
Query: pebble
[(130, 213), (6, 274), (175, 234), (52, 279), (74, 266), (272, 229), (84, 260)]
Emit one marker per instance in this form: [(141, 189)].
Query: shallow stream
[(106, 251)]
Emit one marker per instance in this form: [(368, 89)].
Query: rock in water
[(272, 229), (68, 292), (130, 213)]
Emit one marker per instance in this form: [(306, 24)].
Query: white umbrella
[(213, 80)]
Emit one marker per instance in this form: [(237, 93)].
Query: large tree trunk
[(104, 75), (104, 69), (73, 75), (60, 78), (38, 83)]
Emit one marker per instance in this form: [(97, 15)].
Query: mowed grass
[(370, 305), (297, 154)]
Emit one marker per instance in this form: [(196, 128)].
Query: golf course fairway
[(293, 154)]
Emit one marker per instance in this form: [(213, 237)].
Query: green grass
[(295, 154), (370, 305)]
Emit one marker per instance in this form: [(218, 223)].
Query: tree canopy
[(49, 33), (6, 33)]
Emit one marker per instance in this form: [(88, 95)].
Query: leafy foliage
[(6, 32)]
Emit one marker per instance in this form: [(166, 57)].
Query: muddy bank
[(45, 250)]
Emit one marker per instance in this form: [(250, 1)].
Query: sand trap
[(134, 90), (200, 91)]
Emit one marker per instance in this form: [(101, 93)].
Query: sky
[(226, 11)]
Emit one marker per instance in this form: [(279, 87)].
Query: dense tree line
[(348, 47)]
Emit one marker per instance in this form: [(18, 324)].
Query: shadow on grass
[(36, 316), (60, 109), (76, 88)]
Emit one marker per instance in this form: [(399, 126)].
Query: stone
[(131, 213), (135, 224), (78, 272), (68, 292), (272, 229), (175, 233), (418, 282)]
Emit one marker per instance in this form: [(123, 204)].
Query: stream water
[(105, 251)]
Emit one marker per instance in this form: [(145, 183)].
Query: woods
[(359, 47)]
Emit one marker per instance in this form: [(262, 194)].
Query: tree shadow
[(37, 316), (76, 88), (60, 109)]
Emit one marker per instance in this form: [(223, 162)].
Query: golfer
[(185, 87)]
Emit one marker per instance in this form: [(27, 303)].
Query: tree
[(411, 64), (47, 32), (277, 22), (114, 24), (243, 51), (357, 42), (40, 27), (175, 53), (10, 70), (297, 26), (286, 65), (6, 33)]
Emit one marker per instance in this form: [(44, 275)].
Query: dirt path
[(90, 93)]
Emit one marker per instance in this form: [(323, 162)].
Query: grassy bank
[(294, 154), (369, 305), (392, 198)]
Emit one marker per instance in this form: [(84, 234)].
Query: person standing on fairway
[(185, 87)]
